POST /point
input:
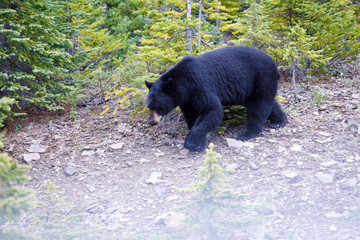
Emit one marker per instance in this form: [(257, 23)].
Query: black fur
[(201, 85)]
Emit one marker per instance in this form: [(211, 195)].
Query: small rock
[(349, 183), (253, 166), (329, 164), (28, 157), (70, 171), (333, 228), (325, 134), (233, 143), (184, 152), (333, 215), (296, 148), (116, 146), (88, 153), (154, 178), (143, 160), (174, 222), (322, 141), (233, 166), (325, 178), (172, 198), (290, 174), (36, 149), (97, 209), (159, 153)]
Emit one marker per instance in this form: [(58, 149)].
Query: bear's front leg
[(206, 122)]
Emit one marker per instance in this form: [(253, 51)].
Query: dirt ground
[(124, 175)]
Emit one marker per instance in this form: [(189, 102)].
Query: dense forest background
[(55, 53)]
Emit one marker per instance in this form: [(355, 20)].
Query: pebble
[(88, 153), (329, 164), (28, 157), (184, 152), (325, 178), (36, 149), (333, 215), (233, 143), (233, 166), (253, 166), (116, 146), (154, 178), (296, 148), (70, 171), (333, 228), (349, 183), (290, 174)]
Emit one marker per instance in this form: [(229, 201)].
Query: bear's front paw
[(194, 144), (194, 147), (243, 137)]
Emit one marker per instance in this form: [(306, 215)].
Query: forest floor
[(123, 176)]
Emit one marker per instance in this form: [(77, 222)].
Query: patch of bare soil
[(122, 174)]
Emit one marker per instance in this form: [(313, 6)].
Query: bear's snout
[(154, 118)]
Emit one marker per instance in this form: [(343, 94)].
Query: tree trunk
[(293, 81), (200, 18), (188, 30)]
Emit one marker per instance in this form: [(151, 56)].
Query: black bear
[(201, 85)]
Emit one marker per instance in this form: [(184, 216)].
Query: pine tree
[(255, 27), (13, 199), (330, 24), (212, 198), (33, 59)]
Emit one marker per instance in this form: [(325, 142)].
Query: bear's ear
[(169, 84), (149, 84)]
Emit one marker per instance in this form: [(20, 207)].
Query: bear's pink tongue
[(154, 118)]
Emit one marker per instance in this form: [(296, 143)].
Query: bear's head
[(161, 98)]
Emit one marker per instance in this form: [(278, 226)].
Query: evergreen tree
[(255, 27), (212, 200), (331, 25), (13, 199), (33, 59)]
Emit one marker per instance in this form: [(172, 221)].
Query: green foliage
[(216, 211), (33, 59), (13, 199), (5, 111), (254, 27), (318, 96), (129, 98), (313, 34), (53, 220)]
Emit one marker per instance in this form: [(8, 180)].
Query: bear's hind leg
[(258, 110), (277, 116)]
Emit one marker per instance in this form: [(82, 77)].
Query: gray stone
[(36, 149), (28, 157), (88, 153), (325, 178), (70, 171), (154, 178), (116, 146), (329, 164)]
